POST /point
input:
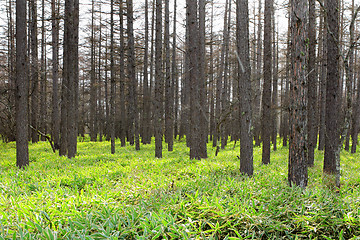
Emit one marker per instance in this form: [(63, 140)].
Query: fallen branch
[(46, 137)]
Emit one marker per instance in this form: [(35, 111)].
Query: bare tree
[(159, 83), (22, 87), (297, 173), (34, 71), (112, 80), (311, 85), (266, 99), (331, 160), (243, 54), (55, 74)]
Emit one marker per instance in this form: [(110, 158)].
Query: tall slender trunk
[(169, 103), (274, 96), (258, 76), (22, 86), (112, 80), (322, 81), (146, 91), (34, 91), (311, 85), (123, 120), (55, 74), (71, 74), (101, 123), (174, 76), (243, 53), (331, 158), (159, 83), (297, 173), (43, 80), (133, 108), (266, 99), (211, 76), (93, 85)]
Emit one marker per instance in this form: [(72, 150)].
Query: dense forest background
[(223, 71)]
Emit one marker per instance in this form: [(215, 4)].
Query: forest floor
[(133, 195)]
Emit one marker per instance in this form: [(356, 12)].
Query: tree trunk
[(242, 36), (331, 158), (71, 75), (266, 99), (146, 91), (297, 173), (55, 74), (159, 83), (169, 105), (112, 80), (133, 108), (257, 85), (174, 76), (22, 87), (322, 81), (43, 80), (123, 119), (311, 85), (34, 91), (93, 85)]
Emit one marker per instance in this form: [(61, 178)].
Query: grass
[(132, 195)]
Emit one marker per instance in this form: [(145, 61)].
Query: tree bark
[(34, 91), (146, 91), (55, 74), (243, 53), (311, 85), (112, 80), (266, 99), (169, 103), (297, 173), (331, 160), (159, 83), (22, 87), (133, 108)]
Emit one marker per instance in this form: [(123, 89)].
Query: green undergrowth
[(132, 195)]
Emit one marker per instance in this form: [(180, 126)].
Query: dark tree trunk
[(266, 99), (34, 91), (285, 106), (169, 103), (322, 81), (101, 123), (257, 87), (197, 141), (211, 77), (146, 138), (159, 83), (274, 97), (93, 85), (297, 173), (123, 119), (331, 160), (243, 53), (174, 77), (225, 95), (70, 79), (112, 80), (43, 80), (311, 85), (133, 108), (22, 87), (202, 82), (55, 74)]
